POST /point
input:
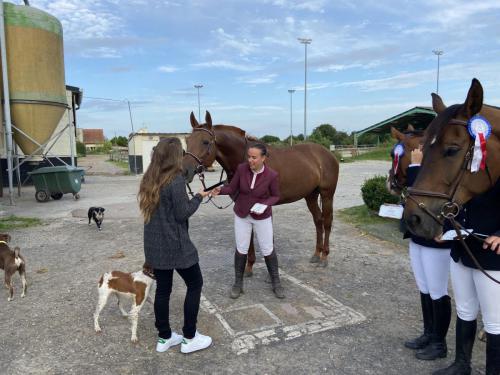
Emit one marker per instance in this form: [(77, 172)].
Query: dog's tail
[(17, 259)]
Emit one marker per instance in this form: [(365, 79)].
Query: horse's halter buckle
[(450, 210)]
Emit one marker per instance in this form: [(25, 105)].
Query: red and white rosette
[(479, 129), (398, 153)]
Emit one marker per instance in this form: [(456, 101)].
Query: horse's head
[(445, 175), (201, 147), (407, 141)]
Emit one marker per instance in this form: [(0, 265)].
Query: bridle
[(450, 209), (201, 167)]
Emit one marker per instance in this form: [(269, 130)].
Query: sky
[(368, 60)]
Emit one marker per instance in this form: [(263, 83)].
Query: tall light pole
[(438, 53), (133, 136), (305, 42), (198, 87), (291, 91)]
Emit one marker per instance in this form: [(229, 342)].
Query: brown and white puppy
[(134, 286), (11, 262)]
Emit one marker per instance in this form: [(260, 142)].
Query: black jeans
[(194, 282)]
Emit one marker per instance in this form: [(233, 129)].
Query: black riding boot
[(492, 354), (423, 340), (272, 267), (465, 336), (240, 261), (441, 316)]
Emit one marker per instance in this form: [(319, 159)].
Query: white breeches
[(431, 267), (262, 228), (474, 291)]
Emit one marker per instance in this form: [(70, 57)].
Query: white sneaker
[(198, 342), (163, 345)]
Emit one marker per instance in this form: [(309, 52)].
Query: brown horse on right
[(305, 171)]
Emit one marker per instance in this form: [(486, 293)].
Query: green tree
[(270, 139), (119, 141)]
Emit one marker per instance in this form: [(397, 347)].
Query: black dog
[(96, 213)]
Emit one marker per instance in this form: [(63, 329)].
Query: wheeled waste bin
[(56, 181)]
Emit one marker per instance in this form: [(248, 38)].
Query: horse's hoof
[(248, 274), (323, 263), (314, 259)]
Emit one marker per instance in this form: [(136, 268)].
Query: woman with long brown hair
[(166, 208)]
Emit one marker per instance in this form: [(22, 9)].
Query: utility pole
[(305, 42)]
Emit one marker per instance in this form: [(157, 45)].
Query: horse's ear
[(194, 122), (474, 101), (208, 120), (437, 104), (396, 134), (410, 128)]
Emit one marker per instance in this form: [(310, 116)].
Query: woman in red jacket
[(257, 189)]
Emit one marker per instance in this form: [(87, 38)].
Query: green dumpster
[(56, 181)]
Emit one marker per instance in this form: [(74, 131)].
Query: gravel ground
[(51, 330)]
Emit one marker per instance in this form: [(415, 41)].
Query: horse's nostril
[(415, 220)]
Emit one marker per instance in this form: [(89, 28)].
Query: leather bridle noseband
[(450, 209)]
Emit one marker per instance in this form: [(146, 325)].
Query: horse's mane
[(237, 131)]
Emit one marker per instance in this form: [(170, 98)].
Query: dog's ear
[(5, 237), (103, 210)]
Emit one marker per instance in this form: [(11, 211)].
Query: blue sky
[(368, 60)]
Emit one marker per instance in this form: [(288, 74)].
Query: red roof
[(93, 136)]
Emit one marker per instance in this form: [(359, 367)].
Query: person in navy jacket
[(472, 289), (254, 183), (430, 262)]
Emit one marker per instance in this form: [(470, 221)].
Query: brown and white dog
[(11, 262), (135, 286)]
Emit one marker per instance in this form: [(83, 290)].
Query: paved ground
[(348, 318), (100, 166)]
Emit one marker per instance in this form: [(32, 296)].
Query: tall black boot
[(423, 340), (441, 316), (492, 354), (272, 267), (465, 336), (240, 261)]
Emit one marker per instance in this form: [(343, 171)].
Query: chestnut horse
[(410, 139), (445, 180), (305, 171)]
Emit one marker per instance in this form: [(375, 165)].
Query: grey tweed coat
[(166, 238)]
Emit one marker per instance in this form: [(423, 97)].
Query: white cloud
[(243, 46), (265, 79), (101, 52), (167, 69), (224, 64)]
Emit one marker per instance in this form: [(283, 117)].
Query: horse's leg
[(312, 204), (327, 212), (250, 259)]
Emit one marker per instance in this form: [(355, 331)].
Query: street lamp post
[(438, 53), (291, 91), (305, 42), (198, 87), (133, 136)]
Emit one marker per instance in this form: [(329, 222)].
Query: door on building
[(147, 151)]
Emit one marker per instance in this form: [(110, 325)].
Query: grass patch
[(382, 153), (369, 222), (16, 222), (121, 164)]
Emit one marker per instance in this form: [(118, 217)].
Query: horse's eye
[(205, 142), (451, 151)]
